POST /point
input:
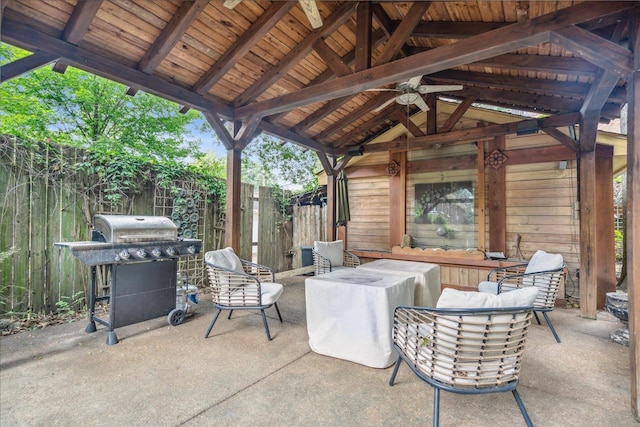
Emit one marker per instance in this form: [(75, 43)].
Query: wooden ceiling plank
[(331, 24), (364, 34), (171, 34), (457, 114), (243, 45), (466, 136), (78, 25), (27, 37), (24, 65), (598, 51), (320, 114), (492, 43), (403, 31), (331, 58), (453, 30)]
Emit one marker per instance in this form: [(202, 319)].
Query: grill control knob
[(124, 254), (141, 253), (191, 249), (171, 251), (156, 252)]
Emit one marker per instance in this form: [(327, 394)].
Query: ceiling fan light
[(407, 98)]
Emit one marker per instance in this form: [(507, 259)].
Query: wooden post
[(605, 249), (588, 235), (232, 225), (497, 205), (633, 208), (398, 199), (331, 207), (480, 197)]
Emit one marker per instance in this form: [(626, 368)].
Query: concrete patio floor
[(159, 375)]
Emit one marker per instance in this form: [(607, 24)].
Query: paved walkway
[(159, 375)]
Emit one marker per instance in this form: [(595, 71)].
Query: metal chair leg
[(278, 310), (523, 410), (212, 323), (230, 313), (553, 330), (436, 407), (395, 371), (266, 326), (537, 318)]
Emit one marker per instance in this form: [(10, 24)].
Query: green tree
[(80, 109)]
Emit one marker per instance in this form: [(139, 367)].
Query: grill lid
[(134, 228)]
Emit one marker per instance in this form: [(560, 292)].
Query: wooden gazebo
[(313, 78)]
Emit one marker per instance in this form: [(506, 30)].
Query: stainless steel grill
[(141, 255)]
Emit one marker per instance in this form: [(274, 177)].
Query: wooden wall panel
[(369, 204)]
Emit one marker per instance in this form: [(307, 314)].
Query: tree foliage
[(81, 109)]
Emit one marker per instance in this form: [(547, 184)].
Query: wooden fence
[(40, 205)]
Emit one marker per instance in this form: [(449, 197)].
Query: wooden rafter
[(457, 114), (364, 36), (403, 31), (25, 64), (78, 25), (492, 43)]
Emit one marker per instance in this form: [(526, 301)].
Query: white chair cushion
[(225, 258), (488, 287), (270, 291), (543, 261), (333, 251), (452, 298)]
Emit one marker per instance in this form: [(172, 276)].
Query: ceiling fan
[(411, 92), (309, 7)]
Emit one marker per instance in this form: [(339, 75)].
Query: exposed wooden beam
[(25, 64), (377, 120), (364, 34), (595, 100), (403, 31), (331, 58), (565, 140), (171, 34), (78, 25), (492, 43), (243, 45), (539, 63), (457, 114), (521, 100), (302, 49), (598, 51), (27, 37), (452, 30), (293, 137), (407, 123), (355, 115), (221, 131), (465, 136)]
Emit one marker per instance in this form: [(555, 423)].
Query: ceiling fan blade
[(382, 89), (438, 88), (230, 4), (414, 82), (385, 105), (310, 9), (419, 102)]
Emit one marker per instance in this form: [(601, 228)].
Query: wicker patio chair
[(466, 351), (544, 271), (237, 284), (327, 256)]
